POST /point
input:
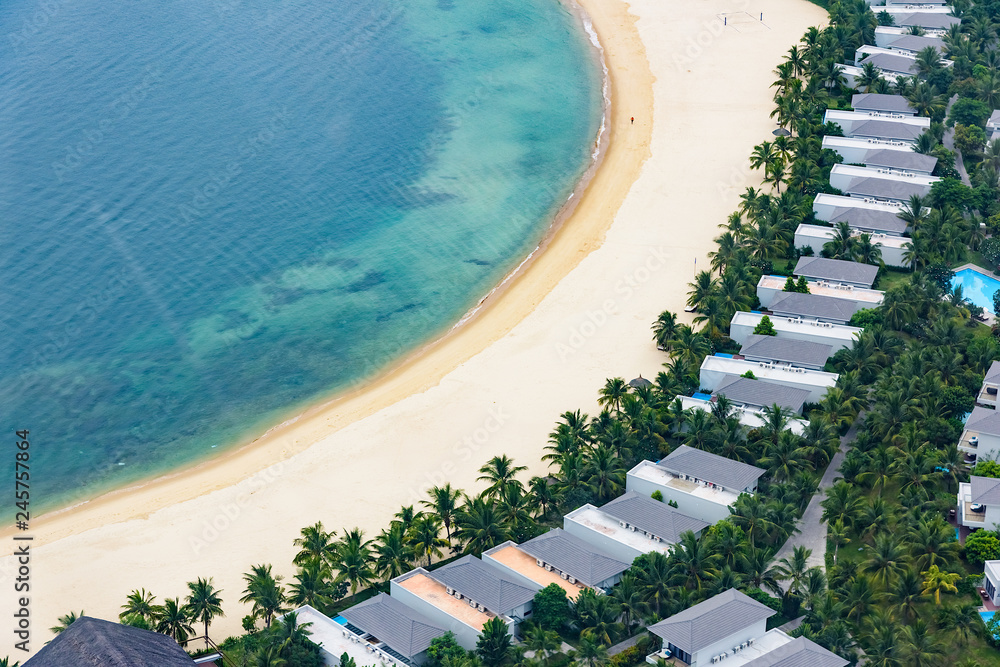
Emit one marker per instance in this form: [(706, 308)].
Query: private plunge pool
[(977, 287)]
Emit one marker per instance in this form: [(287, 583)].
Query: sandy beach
[(695, 75)]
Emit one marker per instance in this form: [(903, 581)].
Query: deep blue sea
[(214, 212)]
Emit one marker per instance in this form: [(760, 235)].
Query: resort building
[(981, 436), (878, 124), (631, 525), (770, 291), (993, 125), (897, 155), (836, 272), (838, 310), (731, 628), (522, 566), (880, 183), (463, 595), (913, 44), (387, 627), (792, 328), (887, 35), (92, 641), (759, 394), (774, 350), (867, 215), (703, 485), (336, 639), (816, 236), (979, 503), (718, 371), (927, 18), (991, 384), (750, 416), (881, 103), (851, 74), (886, 60), (991, 580), (576, 560)]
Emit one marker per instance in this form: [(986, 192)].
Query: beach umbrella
[(640, 383), (781, 132)]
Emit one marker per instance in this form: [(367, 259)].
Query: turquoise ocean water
[(213, 213)]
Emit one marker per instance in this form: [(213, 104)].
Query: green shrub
[(656, 495), (987, 468), (633, 655), (981, 546), (550, 608), (749, 375), (762, 597), (765, 327)]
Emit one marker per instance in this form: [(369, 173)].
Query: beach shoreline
[(579, 313)]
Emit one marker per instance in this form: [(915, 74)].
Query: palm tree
[(906, 594), (139, 604), (204, 602), (66, 621), (543, 495), (691, 347), (591, 652), (315, 545), (605, 473), (664, 330), (355, 561), (841, 244), (425, 537), (936, 581), (444, 503), (885, 560), (393, 553), (479, 526), (611, 395), (653, 578), (628, 595), (172, 621), (494, 645), (597, 616), (869, 77), (264, 592), (500, 472), (794, 570), (843, 503), (702, 290), (693, 561), (918, 647), (543, 642), (313, 586)]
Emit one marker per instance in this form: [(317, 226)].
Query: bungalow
[(731, 628), (797, 353), (816, 307), (885, 60), (879, 102), (851, 74), (562, 558), (93, 641), (866, 215), (816, 236), (897, 126), (390, 627), (631, 525), (993, 125), (879, 183), (461, 596), (981, 436), (836, 271), (915, 3), (893, 155), (886, 35), (785, 328), (991, 582), (770, 292), (718, 372), (703, 485), (913, 44), (336, 639), (750, 416), (991, 384), (979, 503), (759, 394), (927, 18)]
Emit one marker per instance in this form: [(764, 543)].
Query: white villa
[(335, 640), (991, 580), (716, 372), (979, 503), (750, 416), (865, 214), (987, 396), (816, 236), (887, 36), (897, 155), (898, 126), (837, 336), (881, 184), (981, 436)]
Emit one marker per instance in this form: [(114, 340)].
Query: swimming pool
[(976, 287)]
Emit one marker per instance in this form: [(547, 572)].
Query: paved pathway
[(812, 529), (621, 646), (949, 143)]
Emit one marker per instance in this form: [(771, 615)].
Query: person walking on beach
[(633, 120)]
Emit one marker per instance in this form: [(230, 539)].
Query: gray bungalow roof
[(985, 490), (984, 420), (869, 219), (799, 652), (789, 350), (912, 160), (881, 102), (917, 43), (573, 556), (92, 641), (994, 120), (404, 630), (836, 269), (761, 393), (890, 63), (814, 305), (884, 188), (653, 516), (927, 20), (485, 584), (885, 129), (711, 621), (712, 467), (993, 374)]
